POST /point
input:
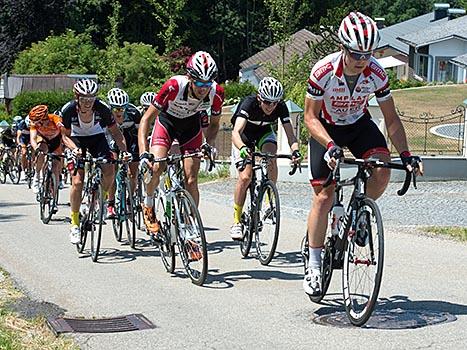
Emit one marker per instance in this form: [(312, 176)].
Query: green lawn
[(456, 232)]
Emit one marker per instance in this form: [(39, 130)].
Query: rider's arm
[(118, 137), (394, 125), (211, 131), (238, 128), (314, 126), (293, 143), (67, 141), (18, 134), (149, 116), (33, 136)]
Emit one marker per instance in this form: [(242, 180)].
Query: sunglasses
[(360, 56), (119, 109), (202, 84), (269, 103), (87, 99)]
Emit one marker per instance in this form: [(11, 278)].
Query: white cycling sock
[(148, 201), (315, 257)]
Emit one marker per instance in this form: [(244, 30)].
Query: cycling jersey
[(23, 128), (327, 83), (129, 128), (173, 99), (102, 117), (50, 129)]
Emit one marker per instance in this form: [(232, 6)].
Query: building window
[(445, 71), (422, 70)]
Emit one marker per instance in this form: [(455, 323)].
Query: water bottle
[(337, 214), (147, 174)]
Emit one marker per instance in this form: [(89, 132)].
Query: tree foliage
[(66, 53)]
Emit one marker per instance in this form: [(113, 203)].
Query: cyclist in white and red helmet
[(336, 116), (181, 108)]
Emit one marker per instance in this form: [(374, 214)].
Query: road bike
[(48, 188), (124, 205), (180, 222), (261, 212), (356, 246), (9, 165), (92, 204)]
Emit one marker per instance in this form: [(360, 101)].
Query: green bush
[(23, 103), (235, 91), (69, 53), (3, 114), (396, 84)]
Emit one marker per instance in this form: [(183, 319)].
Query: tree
[(168, 14), (63, 54)]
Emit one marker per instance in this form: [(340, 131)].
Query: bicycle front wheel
[(190, 238), (363, 263), (129, 215), (96, 218), (47, 198), (268, 222)]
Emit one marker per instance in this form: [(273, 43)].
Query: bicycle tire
[(167, 246), (129, 214), (326, 271), (13, 171), (85, 221), (191, 237), (117, 221), (98, 216), (266, 248), (47, 198), (362, 254), (2, 170), (247, 221), (138, 199)]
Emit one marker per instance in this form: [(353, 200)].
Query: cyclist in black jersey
[(128, 118), (84, 119), (253, 128)]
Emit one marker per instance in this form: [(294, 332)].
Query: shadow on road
[(16, 204), (227, 279), (10, 217)]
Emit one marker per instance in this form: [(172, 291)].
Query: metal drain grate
[(127, 323)]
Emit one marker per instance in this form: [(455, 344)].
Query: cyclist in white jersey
[(336, 116)]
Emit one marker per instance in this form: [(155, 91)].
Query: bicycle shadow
[(228, 279), (287, 260), (217, 247), (395, 312), (121, 255), (10, 217)]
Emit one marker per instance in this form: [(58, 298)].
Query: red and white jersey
[(173, 99), (327, 83)]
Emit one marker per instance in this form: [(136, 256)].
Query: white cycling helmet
[(27, 121), (17, 119), (359, 33), (270, 89), (202, 66), (146, 99), (117, 98), (85, 87)]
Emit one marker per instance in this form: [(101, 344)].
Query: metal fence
[(429, 134)]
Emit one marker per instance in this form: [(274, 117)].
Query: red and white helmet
[(85, 87), (359, 32), (202, 66)]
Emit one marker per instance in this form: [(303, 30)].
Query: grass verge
[(456, 232), (219, 172), (20, 333)]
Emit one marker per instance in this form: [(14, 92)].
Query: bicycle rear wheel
[(363, 263), (248, 225), (14, 171), (267, 222), (163, 211), (190, 238), (96, 218)]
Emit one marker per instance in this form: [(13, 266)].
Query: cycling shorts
[(96, 145), (54, 144), (24, 139), (187, 131), (363, 139)]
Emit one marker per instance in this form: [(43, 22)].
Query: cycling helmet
[(270, 89), (146, 99), (17, 119), (202, 66), (40, 112), (27, 121), (85, 87), (359, 32), (117, 98)]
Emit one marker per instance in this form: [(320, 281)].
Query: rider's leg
[(272, 166), (379, 179), (24, 160), (75, 195), (133, 168), (191, 169)]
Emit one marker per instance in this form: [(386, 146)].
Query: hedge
[(23, 103)]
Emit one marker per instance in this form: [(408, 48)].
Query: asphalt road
[(243, 304)]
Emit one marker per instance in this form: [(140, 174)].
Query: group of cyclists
[(186, 112)]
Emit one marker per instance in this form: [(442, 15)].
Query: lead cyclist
[(336, 116)]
